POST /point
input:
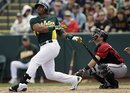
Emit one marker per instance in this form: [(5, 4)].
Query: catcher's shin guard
[(108, 75), (98, 78), (110, 78)]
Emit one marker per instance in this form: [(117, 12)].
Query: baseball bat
[(72, 63), (92, 55)]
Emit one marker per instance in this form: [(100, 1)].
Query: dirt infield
[(64, 88)]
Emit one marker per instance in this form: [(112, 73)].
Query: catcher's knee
[(105, 71), (92, 71)]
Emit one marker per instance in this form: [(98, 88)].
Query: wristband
[(69, 36), (50, 29)]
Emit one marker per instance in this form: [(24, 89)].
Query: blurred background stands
[(8, 11)]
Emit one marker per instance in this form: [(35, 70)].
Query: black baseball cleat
[(104, 86), (13, 89), (116, 84), (107, 87), (18, 88)]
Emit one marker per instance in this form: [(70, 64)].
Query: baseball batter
[(46, 28), (111, 64)]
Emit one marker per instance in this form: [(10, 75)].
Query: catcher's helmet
[(101, 33), (43, 4)]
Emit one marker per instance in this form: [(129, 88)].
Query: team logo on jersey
[(49, 23)]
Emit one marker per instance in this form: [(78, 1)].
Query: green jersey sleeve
[(59, 32), (32, 22)]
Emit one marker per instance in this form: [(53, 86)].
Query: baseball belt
[(48, 41)]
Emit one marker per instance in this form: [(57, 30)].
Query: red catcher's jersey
[(108, 54)]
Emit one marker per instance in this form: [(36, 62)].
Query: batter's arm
[(77, 39), (40, 28), (66, 36)]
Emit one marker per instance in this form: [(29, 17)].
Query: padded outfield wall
[(10, 44)]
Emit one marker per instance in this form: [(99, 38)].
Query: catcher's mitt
[(81, 72)]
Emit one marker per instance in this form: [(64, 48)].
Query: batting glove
[(58, 27), (77, 39)]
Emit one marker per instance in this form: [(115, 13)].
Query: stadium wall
[(10, 44)]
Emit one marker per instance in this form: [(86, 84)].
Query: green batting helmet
[(44, 5)]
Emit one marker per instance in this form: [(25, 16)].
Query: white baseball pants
[(15, 65), (45, 58), (119, 70)]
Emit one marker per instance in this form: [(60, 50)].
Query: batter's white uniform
[(49, 49), (45, 58)]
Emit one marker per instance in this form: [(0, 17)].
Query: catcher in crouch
[(110, 64)]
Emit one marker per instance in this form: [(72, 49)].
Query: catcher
[(111, 64)]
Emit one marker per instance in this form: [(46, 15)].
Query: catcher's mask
[(46, 6), (101, 33)]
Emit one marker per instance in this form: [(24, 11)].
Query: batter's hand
[(127, 49), (77, 39), (58, 27)]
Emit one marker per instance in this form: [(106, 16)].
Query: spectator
[(58, 10), (69, 5), (90, 23), (103, 23), (88, 7), (80, 2), (127, 49), (126, 3), (107, 3), (114, 3), (98, 7), (79, 16), (27, 14), (101, 1), (127, 13), (65, 1), (120, 4), (71, 23), (111, 13), (19, 25), (120, 22), (25, 53)]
